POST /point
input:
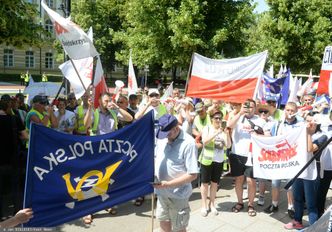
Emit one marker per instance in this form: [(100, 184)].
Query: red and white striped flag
[(231, 80), (325, 82)]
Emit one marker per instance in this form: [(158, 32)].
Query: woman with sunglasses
[(215, 141)]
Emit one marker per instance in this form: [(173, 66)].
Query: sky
[(262, 6)]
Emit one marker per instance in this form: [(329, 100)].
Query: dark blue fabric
[(272, 87), (60, 193)]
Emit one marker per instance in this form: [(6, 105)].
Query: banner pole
[(79, 77), (152, 211), (316, 153), (189, 72)]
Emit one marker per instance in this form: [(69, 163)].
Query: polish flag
[(326, 73), (231, 80), (73, 39), (99, 83), (132, 82)]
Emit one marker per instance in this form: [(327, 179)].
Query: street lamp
[(146, 70)]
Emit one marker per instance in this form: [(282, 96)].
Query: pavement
[(131, 218)]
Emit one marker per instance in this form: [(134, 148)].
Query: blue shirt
[(174, 160)]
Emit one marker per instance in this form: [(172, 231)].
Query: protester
[(153, 103), (22, 216), (66, 118), (80, 114), (21, 103), (185, 115), (215, 140), (123, 104), (289, 122), (175, 175), (133, 103), (12, 132), (72, 102), (305, 187), (201, 120), (239, 157), (102, 121), (41, 113)]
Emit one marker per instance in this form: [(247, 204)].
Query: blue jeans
[(305, 189)]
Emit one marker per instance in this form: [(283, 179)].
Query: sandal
[(237, 208), (87, 219), (112, 211), (251, 211), (139, 201)]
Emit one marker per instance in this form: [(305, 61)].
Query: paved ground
[(138, 219)]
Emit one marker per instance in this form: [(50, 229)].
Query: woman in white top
[(215, 141)]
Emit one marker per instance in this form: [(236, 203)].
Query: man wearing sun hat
[(175, 168)]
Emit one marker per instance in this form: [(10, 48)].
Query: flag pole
[(189, 72), (152, 210), (79, 77)]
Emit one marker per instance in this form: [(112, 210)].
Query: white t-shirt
[(241, 135), (219, 139), (65, 121)]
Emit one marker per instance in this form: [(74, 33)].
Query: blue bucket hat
[(166, 123)]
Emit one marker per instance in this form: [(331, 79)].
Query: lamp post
[(146, 70)]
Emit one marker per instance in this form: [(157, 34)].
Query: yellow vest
[(80, 121), (96, 121), (206, 156)]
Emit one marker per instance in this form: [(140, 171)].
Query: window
[(8, 58), (29, 59), (48, 60), (49, 26)]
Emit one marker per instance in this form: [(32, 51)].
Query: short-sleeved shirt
[(174, 160), (106, 123), (241, 134), (66, 121)]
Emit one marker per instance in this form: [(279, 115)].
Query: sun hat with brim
[(263, 107), (153, 91), (165, 124)]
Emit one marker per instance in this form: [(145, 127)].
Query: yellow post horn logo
[(99, 188)]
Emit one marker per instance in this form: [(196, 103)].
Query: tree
[(168, 32), (103, 17), (294, 32), (19, 23)]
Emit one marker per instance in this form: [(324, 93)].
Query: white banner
[(73, 39), (132, 82), (283, 156)]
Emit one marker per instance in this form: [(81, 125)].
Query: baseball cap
[(153, 91), (166, 123), (40, 99), (199, 106)]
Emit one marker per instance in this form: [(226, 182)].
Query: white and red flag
[(232, 80), (132, 82), (73, 39), (325, 82), (282, 156)]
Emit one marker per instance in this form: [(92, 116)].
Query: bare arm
[(186, 178), (22, 216)]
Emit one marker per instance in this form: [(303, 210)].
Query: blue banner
[(285, 89), (72, 176)]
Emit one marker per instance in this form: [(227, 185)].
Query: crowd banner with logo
[(73, 39), (325, 80), (71, 176), (280, 157), (233, 80)]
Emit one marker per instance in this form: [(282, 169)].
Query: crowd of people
[(197, 137)]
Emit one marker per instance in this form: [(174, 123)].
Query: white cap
[(152, 91)]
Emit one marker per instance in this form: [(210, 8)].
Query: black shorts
[(238, 166), (211, 172)]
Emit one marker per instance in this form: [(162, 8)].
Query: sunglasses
[(154, 95), (270, 102), (217, 118), (263, 111)]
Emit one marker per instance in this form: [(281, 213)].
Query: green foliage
[(103, 17), (19, 24), (294, 32), (167, 32)]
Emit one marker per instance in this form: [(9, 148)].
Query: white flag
[(84, 68), (168, 92), (282, 156), (132, 82), (73, 39), (293, 89)]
